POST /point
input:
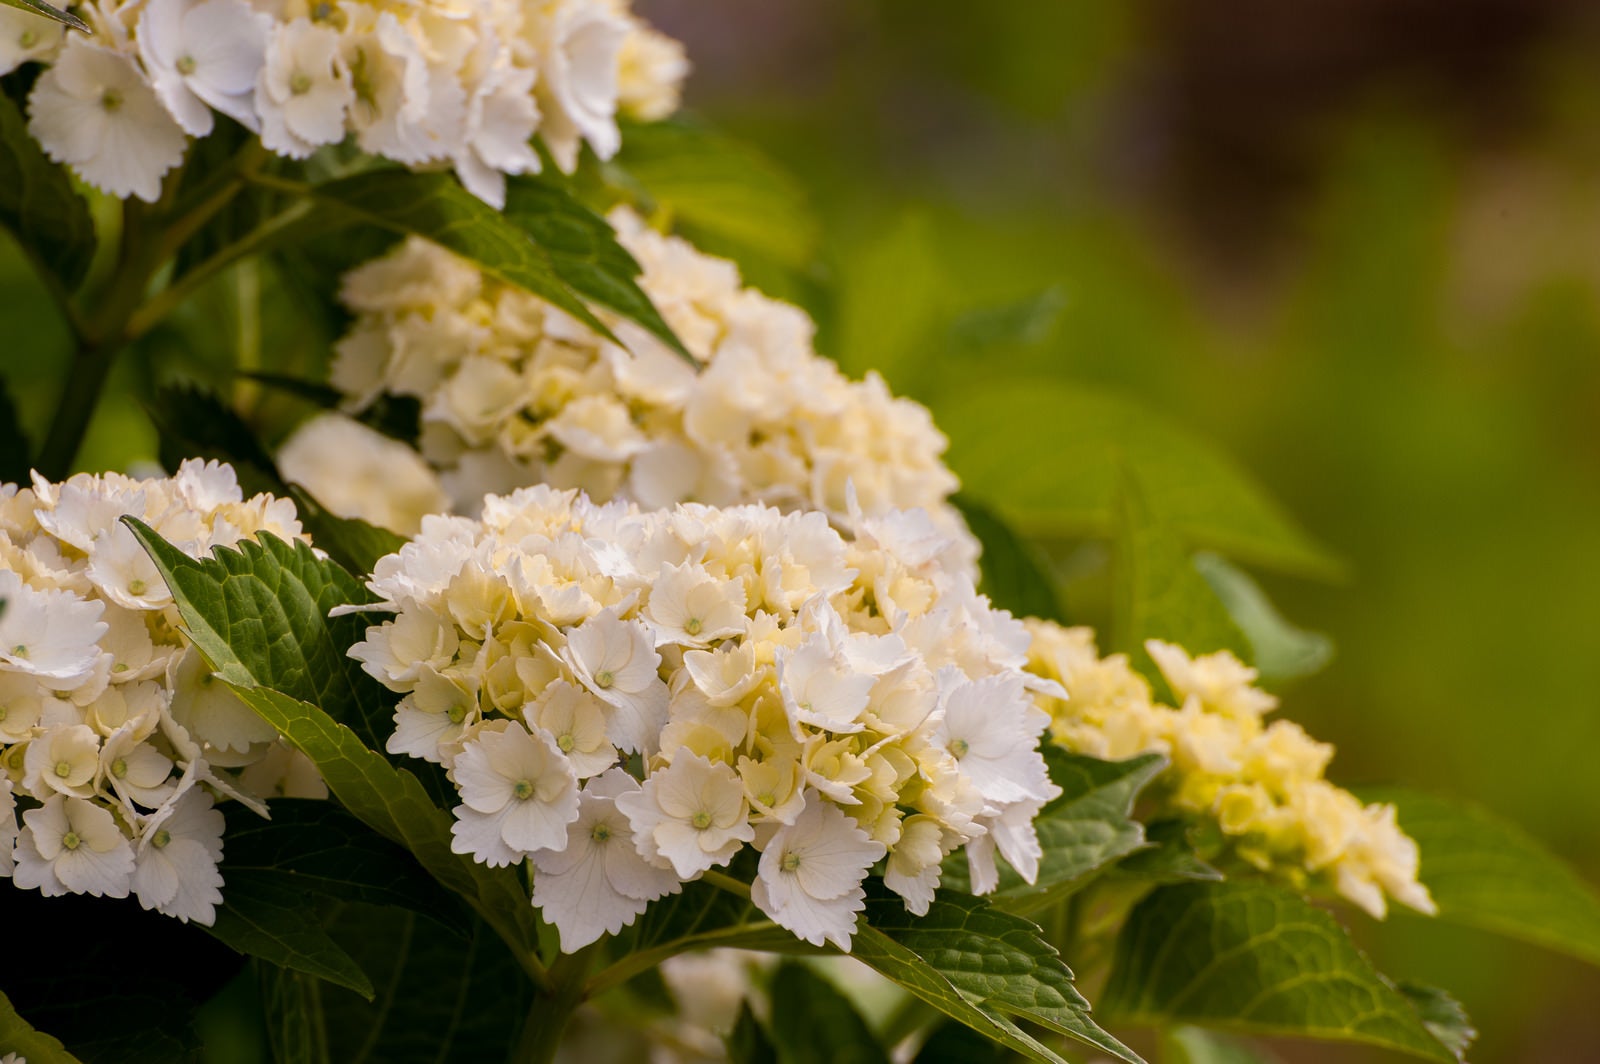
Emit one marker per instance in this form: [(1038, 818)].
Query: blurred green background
[(1354, 242)]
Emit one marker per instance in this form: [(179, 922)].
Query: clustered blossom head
[(515, 392), (830, 702), (464, 83), (1260, 785), (113, 734)]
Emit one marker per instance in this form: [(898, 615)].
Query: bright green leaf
[(1016, 574), (1484, 871), (37, 202), (1278, 649), (1049, 457), (1021, 323), (1158, 592), (813, 1023), (981, 966), (1168, 857), (1081, 832), (1194, 1045), (17, 1036), (259, 613), (708, 182), (1257, 959)]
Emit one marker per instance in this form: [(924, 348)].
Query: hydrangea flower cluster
[(832, 703), (113, 734), (515, 392), (1261, 785), (465, 83)]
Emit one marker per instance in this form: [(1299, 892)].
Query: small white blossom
[(811, 875), (68, 845), (692, 814), (617, 661), (175, 867), (203, 55), (518, 794)]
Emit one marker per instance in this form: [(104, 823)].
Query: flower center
[(28, 39), (111, 100), (601, 832), (959, 747), (457, 714), (604, 679), (701, 820), (119, 767), (186, 66), (71, 841), (566, 743), (3, 709), (693, 626), (300, 84), (161, 839), (137, 587), (20, 650), (523, 790), (121, 666), (790, 862), (63, 769)]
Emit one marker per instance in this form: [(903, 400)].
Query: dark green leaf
[(981, 966), (292, 1003), (49, 11), (748, 1042), (15, 461), (1486, 872), (1443, 1015), (259, 615), (441, 996), (1016, 574), (17, 1036), (1050, 458), (953, 1043), (812, 1023), (1169, 857), (1279, 650), (350, 541), (708, 182), (195, 423), (37, 202), (1158, 593), (1257, 959), (584, 251), (435, 206), (261, 917), (322, 395), (1081, 832)]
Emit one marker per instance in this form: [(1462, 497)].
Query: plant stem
[(551, 1010)]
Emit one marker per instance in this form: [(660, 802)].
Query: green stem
[(636, 963), (552, 1010)]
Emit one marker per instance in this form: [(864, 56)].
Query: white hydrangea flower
[(8, 826), (811, 875), (94, 111), (597, 883), (175, 867), (69, 845), (203, 55), (25, 36), (356, 471), (304, 90), (745, 655), (51, 635), (518, 794), (1261, 785)]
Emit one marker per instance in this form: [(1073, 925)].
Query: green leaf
[(1484, 871), (435, 206), (1021, 323), (748, 1042), (711, 183), (1158, 592), (813, 1023), (259, 615), (281, 874), (441, 995), (1443, 1015), (37, 201), (1167, 858), (1016, 574), (981, 966), (17, 1036), (953, 1043), (14, 450), (292, 1003), (355, 544), (1193, 1045), (583, 249), (1081, 832), (1256, 959), (49, 11), (1049, 457), (193, 422), (1279, 650)]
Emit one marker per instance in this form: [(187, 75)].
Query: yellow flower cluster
[(1261, 785), (514, 392)]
